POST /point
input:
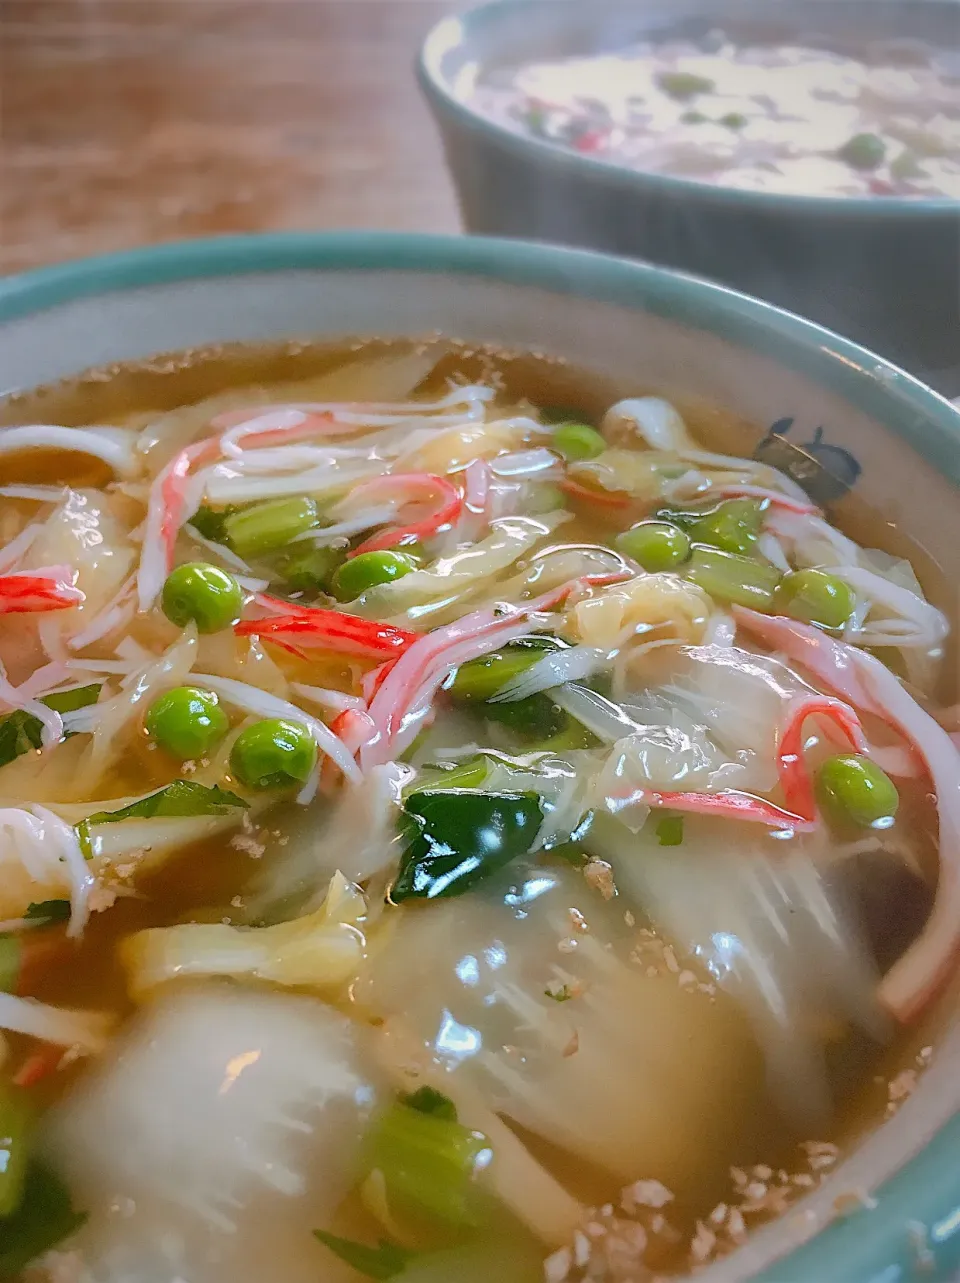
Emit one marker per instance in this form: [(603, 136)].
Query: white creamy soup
[(772, 118)]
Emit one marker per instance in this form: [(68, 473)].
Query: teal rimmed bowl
[(883, 270), (899, 444)]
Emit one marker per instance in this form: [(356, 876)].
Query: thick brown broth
[(210, 881)]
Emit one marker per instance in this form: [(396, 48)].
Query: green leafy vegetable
[(670, 830), (182, 797), (48, 911), (456, 838), (429, 1164), (562, 993), (427, 1100), (43, 1219), (20, 732), (381, 1262), (211, 523)]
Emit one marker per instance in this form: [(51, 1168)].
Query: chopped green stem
[(10, 959), (268, 527), (430, 1164), (480, 679), (729, 578), (16, 1120), (670, 830)]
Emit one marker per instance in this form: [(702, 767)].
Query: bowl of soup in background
[(883, 269), (865, 437)]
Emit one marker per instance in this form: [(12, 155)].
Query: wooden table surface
[(126, 122)]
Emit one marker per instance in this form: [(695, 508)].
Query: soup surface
[(772, 118), (454, 824)]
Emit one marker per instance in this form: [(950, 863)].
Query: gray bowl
[(884, 270)]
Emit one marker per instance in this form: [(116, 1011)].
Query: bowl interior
[(648, 331)]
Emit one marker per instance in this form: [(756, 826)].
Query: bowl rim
[(926, 1189), (443, 37)]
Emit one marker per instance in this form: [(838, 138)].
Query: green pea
[(684, 84), (864, 151), (274, 753), (577, 441), (655, 545), (269, 526), (186, 722), (368, 570), (201, 594), (852, 789), (815, 597), (732, 527)]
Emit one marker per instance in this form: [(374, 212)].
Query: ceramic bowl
[(883, 270), (860, 423)]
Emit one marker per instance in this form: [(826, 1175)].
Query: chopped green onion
[(732, 527), (10, 957), (16, 1120), (456, 838), (380, 1262), (684, 84), (864, 151), (429, 1164), (267, 527), (480, 679), (577, 441), (852, 789), (815, 597), (729, 578), (670, 830), (655, 545), (308, 568), (43, 1219), (427, 1100)]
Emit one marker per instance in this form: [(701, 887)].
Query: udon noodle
[(442, 835)]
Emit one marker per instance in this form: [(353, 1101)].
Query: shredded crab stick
[(330, 630), (729, 804), (339, 417), (439, 497), (915, 979), (775, 498), (794, 776), (37, 591), (174, 498), (406, 690)]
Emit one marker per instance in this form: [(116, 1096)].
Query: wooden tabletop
[(126, 122)]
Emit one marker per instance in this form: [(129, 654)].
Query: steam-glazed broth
[(453, 824)]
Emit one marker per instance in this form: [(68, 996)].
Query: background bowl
[(645, 330), (884, 270)]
